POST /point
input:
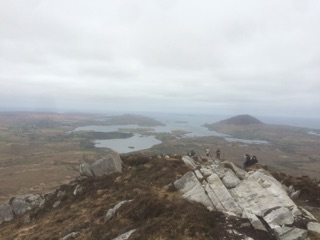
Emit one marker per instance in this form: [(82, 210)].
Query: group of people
[(249, 160), (192, 153), (218, 153)]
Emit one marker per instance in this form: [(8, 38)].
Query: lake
[(191, 123)]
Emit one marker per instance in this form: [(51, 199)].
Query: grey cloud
[(260, 56)]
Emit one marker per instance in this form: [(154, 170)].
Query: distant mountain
[(241, 120)]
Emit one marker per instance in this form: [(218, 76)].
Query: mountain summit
[(244, 119)]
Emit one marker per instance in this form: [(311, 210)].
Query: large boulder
[(19, 206), (314, 227), (104, 166), (6, 212)]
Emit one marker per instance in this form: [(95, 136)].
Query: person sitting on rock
[(247, 161), (253, 160), (192, 153), (207, 152)]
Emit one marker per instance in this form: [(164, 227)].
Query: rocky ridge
[(135, 197), (257, 196)]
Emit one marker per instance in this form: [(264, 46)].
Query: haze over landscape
[(257, 57)]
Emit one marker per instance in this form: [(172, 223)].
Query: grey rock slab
[(186, 182), (250, 195), (289, 233), (192, 190), (56, 204), (85, 170), (206, 172), (6, 212), (314, 227), (19, 206), (260, 192), (296, 212), (107, 165), (223, 195), (308, 214), (240, 173), (198, 194), (254, 220), (280, 216), (77, 190), (125, 236), (199, 175), (295, 194), (111, 212), (34, 200), (189, 162)]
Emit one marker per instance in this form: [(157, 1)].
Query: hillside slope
[(156, 211)]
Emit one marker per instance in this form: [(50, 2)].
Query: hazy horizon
[(228, 58)]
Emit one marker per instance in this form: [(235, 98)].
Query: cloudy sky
[(229, 57)]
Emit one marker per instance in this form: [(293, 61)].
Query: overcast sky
[(228, 57)]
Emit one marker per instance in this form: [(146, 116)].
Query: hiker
[(247, 161), (218, 152), (207, 152), (253, 160), (192, 153)]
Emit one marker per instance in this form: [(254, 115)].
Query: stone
[(254, 220), (85, 170), (27, 219), (240, 173), (222, 195), (314, 227), (60, 194), (205, 172), (77, 190), (291, 189), (56, 204), (296, 212), (186, 182), (6, 212), (289, 233), (198, 194), (230, 180), (295, 194), (107, 165), (70, 236), (34, 200), (111, 212), (278, 217), (19, 206), (199, 175), (308, 214), (189, 162), (285, 188), (125, 236)]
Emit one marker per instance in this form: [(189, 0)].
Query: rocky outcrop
[(19, 205), (256, 196), (104, 166), (314, 227)]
